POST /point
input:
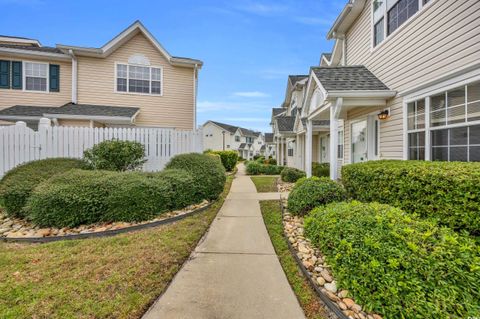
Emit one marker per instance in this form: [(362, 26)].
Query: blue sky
[(248, 47)]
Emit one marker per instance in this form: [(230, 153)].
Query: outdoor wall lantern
[(383, 115)]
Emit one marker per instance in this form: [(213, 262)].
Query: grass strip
[(113, 277), (307, 297), (265, 184)]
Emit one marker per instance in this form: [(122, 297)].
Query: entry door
[(324, 148), (359, 142)]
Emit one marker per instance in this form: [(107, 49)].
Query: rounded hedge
[(446, 191), (395, 264), (116, 155), (17, 185), (229, 159), (84, 197), (256, 168), (321, 169), (182, 183), (208, 174), (291, 175), (309, 193)]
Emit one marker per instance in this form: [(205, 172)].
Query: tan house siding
[(441, 38), (10, 97), (175, 108)]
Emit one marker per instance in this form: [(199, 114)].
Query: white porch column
[(308, 148), (281, 151), (334, 114)]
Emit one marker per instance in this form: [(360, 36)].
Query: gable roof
[(232, 129), (285, 123), (277, 111), (268, 137), (295, 78), (247, 132), (124, 36), (348, 78)]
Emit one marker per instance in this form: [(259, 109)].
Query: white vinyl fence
[(20, 144)]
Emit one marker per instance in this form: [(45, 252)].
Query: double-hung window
[(340, 145), (389, 15), (139, 79), (36, 76), (454, 125)]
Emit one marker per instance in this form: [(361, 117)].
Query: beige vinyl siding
[(10, 97), (96, 85), (441, 38)]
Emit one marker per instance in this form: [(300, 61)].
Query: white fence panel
[(20, 144)]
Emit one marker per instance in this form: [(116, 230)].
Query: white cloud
[(251, 94), (212, 106), (263, 9)]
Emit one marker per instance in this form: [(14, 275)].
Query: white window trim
[(449, 85), (24, 78), (128, 77), (387, 36)]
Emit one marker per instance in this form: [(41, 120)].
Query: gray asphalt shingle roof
[(31, 48), (277, 111), (26, 110), (285, 123), (268, 137), (348, 78), (232, 129), (295, 78), (242, 146), (71, 109)]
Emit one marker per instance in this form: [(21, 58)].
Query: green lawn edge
[(306, 296), (265, 184), (113, 277)]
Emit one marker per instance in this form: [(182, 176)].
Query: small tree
[(116, 155)]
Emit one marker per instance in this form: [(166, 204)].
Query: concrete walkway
[(234, 272)]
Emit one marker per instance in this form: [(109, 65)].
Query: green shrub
[(270, 161), (82, 197), (182, 184), (446, 191), (255, 168), (395, 264), (291, 175), (259, 159), (321, 169), (229, 159), (116, 155), (17, 185), (207, 172), (309, 193)]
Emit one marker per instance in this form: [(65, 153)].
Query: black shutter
[(17, 75), (54, 78), (4, 74)]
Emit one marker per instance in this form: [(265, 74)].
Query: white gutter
[(74, 76), (362, 94), (89, 117)]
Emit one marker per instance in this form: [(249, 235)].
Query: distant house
[(220, 136), (402, 82), (130, 81)]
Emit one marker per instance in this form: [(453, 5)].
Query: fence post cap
[(44, 122), (21, 123)]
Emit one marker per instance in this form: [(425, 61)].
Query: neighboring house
[(130, 81), (402, 82), (219, 136), (269, 145)]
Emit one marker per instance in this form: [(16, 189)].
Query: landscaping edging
[(331, 306), (106, 233)]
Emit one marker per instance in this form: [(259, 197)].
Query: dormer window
[(389, 15), (138, 79)]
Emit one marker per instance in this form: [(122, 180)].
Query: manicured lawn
[(115, 277), (305, 294), (265, 184)]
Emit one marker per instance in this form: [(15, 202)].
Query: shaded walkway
[(234, 272)]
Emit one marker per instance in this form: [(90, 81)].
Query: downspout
[(74, 76), (195, 88)]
